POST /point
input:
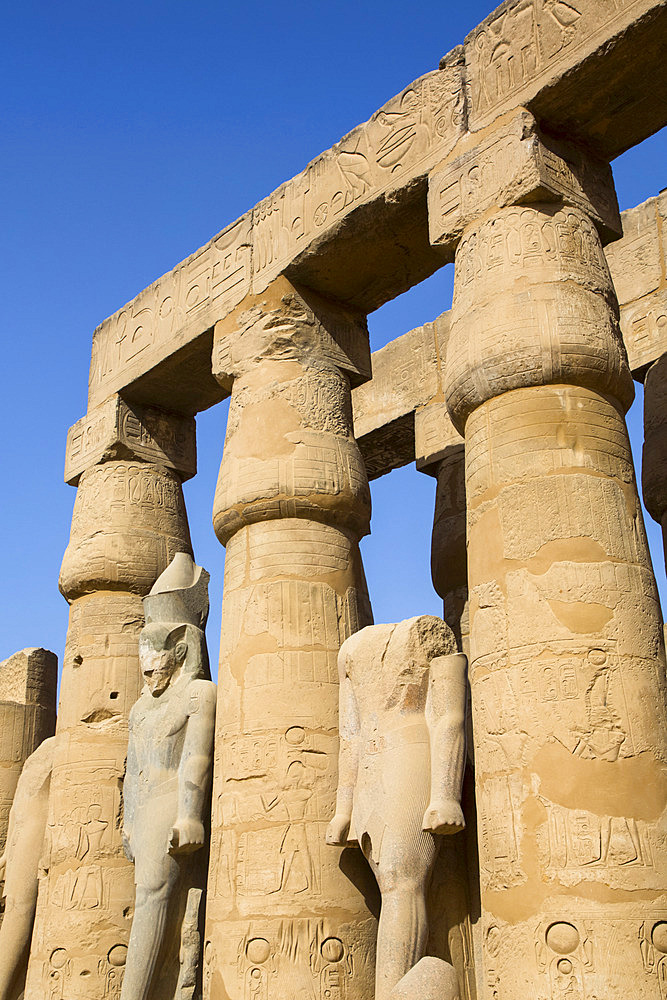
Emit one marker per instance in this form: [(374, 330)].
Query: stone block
[(511, 164), (637, 265), (118, 429), (575, 66), (435, 434)]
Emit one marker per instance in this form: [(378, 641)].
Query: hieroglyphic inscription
[(511, 165), (117, 429), (525, 45), (172, 311), (639, 273)]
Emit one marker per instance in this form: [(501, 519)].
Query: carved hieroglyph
[(129, 521), (285, 915), (19, 866), (28, 682), (403, 694), (165, 792), (567, 661)]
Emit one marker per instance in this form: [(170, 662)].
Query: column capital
[(290, 322), (117, 429), (512, 163)]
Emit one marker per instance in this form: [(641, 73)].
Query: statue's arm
[(446, 704), (194, 772), (130, 792), (348, 760)]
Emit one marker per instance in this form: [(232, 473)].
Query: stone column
[(28, 683), (654, 461), (287, 915), (129, 520), (567, 660)]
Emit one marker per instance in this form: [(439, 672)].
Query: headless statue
[(19, 866), (402, 756), (168, 775)]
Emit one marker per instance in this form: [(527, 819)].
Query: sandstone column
[(654, 462), (287, 915), (567, 661), (27, 717), (129, 520)]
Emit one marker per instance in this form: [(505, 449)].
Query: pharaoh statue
[(166, 789), (19, 866), (402, 755)]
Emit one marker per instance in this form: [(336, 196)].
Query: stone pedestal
[(286, 914), (654, 461), (129, 520), (567, 660), (27, 717)]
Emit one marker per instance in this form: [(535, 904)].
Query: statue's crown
[(180, 594)]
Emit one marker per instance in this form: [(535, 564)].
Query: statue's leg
[(403, 874), (148, 928), (14, 940)]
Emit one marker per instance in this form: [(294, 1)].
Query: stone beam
[(574, 68), (637, 265), (582, 68)]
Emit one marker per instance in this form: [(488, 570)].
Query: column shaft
[(654, 462), (567, 661), (128, 522), (286, 914)]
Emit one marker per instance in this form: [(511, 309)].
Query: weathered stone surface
[(19, 867), (403, 692), (128, 522), (28, 682), (566, 640), (429, 979), (405, 375), (117, 429), (284, 915), (510, 163), (165, 791), (575, 66), (637, 265)]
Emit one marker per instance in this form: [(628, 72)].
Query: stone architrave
[(403, 693), (129, 521), (567, 658), (19, 867), (637, 265), (165, 792), (28, 681), (654, 459), (285, 915)]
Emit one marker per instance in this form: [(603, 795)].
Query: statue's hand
[(187, 835), (127, 846), (443, 816), (337, 831)]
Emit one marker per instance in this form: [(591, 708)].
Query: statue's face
[(159, 658)]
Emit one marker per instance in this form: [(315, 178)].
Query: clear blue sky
[(131, 133)]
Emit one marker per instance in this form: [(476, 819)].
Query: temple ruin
[(515, 402)]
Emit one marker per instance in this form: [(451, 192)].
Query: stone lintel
[(581, 67), (290, 321), (119, 429), (637, 265), (510, 163)]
